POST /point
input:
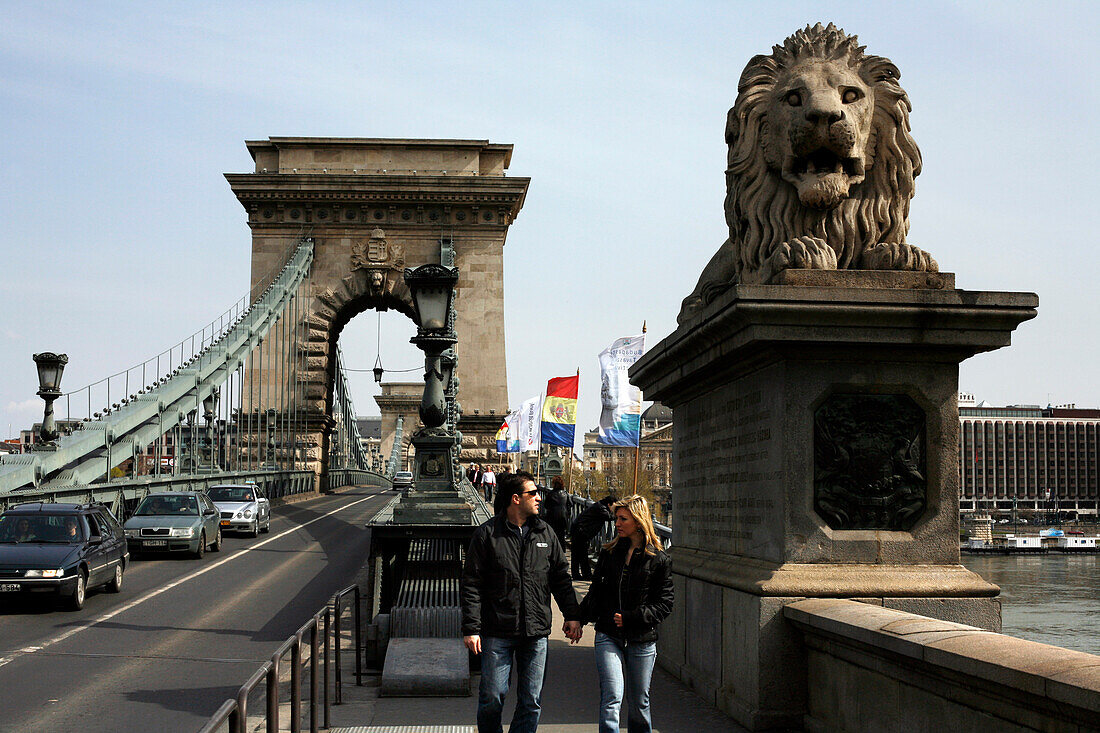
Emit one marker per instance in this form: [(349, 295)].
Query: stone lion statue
[(821, 166)]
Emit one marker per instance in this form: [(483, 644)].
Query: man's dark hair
[(508, 486), (608, 500)]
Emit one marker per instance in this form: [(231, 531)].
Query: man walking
[(587, 525), (488, 483), (513, 564)]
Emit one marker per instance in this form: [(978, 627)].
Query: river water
[(1052, 598)]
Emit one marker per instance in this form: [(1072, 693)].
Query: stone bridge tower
[(373, 208)]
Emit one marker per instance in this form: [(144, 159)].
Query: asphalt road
[(183, 634)]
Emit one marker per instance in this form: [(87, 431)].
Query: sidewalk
[(570, 699)]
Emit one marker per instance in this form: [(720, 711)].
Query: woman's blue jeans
[(624, 665), (497, 656)]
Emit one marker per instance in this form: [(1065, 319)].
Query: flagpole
[(638, 447), (569, 454)]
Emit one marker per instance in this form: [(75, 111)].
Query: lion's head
[(819, 146)]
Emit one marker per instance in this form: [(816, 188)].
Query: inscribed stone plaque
[(728, 463), (869, 462)]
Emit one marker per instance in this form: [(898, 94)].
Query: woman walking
[(631, 593)]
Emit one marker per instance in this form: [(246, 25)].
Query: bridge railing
[(122, 493), (324, 630), (337, 477)]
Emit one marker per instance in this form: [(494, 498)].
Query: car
[(60, 549), (243, 508), (174, 521), (403, 480)]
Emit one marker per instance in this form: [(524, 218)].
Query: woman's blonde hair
[(637, 507)]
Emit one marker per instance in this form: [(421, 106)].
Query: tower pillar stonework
[(374, 207)]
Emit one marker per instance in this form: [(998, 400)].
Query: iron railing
[(322, 628), (121, 493)]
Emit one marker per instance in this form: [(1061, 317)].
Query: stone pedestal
[(816, 439), (434, 498)]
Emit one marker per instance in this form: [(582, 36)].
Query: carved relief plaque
[(869, 462)]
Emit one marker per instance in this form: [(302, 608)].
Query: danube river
[(1052, 598)]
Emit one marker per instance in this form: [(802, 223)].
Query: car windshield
[(232, 493), (403, 474), (49, 528), (170, 505)]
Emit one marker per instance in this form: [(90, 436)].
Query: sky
[(121, 237)]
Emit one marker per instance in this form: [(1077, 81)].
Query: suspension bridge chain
[(255, 358)]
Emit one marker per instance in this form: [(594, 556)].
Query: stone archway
[(374, 207)]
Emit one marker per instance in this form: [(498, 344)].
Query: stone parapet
[(879, 669)]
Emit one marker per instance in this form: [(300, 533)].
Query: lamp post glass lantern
[(50, 368)]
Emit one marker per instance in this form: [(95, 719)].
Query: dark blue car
[(60, 549)]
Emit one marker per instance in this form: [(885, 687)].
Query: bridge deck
[(570, 700)]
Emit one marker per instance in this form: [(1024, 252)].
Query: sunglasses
[(532, 492)]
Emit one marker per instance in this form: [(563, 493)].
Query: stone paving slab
[(570, 700)]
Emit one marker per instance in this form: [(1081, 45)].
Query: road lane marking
[(163, 589)]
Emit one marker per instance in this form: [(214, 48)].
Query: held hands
[(473, 643), (573, 630), (618, 619)]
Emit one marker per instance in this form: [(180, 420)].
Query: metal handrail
[(337, 611), (234, 711)]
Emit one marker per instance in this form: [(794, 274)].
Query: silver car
[(242, 508), (178, 521)]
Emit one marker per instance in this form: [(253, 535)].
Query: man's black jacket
[(591, 521), (643, 594), (506, 582)]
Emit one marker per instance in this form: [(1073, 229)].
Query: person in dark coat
[(630, 595), (513, 564), (553, 508), (587, 525)]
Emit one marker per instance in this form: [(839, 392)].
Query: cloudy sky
[(120, 237)]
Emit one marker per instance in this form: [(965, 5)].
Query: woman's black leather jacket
[(643, 594)]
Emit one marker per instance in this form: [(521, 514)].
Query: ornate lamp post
[(50, 368), (207, 463), (435, 498)]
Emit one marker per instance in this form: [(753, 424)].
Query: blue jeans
[(636, 659), (497, 655)]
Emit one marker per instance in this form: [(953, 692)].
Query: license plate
[(225, 522), (10, 587), (156, 543)]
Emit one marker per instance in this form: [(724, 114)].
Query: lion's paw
[(801, 253), (895, 256)]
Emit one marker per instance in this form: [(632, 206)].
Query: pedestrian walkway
[(570, 700)]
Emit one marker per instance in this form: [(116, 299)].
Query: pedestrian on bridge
[(631, 593), (513, 564), (488, 483), (588, 524)]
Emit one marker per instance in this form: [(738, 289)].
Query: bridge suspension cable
[(228, 398)]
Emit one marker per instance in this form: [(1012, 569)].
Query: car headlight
[(181, 531), (246, 513), (133, 532), (45, 573)]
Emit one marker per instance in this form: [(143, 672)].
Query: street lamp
[(50, 368), (432, 289)]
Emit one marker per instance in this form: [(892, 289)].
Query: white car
[(402, 480), (243, 508)]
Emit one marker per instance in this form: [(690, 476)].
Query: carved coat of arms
[(379, 258)]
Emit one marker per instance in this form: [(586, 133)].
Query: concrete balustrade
[(870, 668)]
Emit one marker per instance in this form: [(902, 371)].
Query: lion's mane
[(764, 211)]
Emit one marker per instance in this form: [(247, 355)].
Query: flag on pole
[(621, 416), (559, 411), (508, 435), (530, 426)]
